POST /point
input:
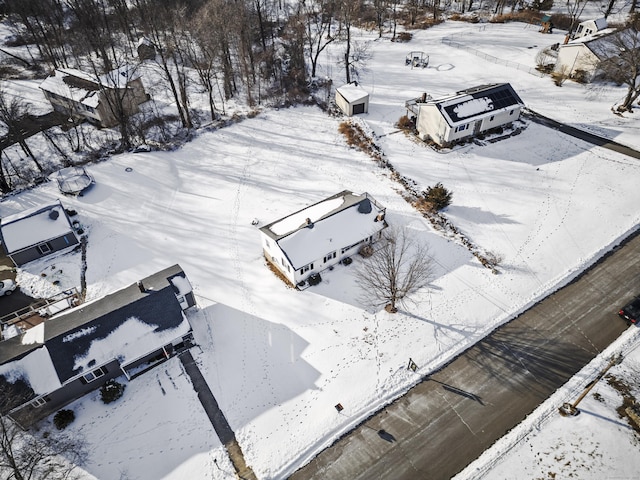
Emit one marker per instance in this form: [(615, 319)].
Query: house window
[(38, 402), (306, 268), (44, 248), (330, 257), (94, 374)]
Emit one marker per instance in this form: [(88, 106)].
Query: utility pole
[(571, 408)]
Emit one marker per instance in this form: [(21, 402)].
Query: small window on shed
[(511, 112), (491, 119)]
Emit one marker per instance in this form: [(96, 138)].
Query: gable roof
[(475, 102), (126, 324), (34, 226), (352, 93), (85, 88), (601, 45), (599, 23), (339, 221), (74, 85)]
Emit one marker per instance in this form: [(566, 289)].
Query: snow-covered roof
[(338, 221), (86, 94), (126, 325), (476, 102), (35, 368), (592, 37), (34, 226), (120, 77), (84, 88), (352, 93)]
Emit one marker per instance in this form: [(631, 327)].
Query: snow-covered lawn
[(278, 360)]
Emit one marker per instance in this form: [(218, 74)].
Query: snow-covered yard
[(278, 360)]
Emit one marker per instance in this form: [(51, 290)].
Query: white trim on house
[(321, 235), (466, 113)]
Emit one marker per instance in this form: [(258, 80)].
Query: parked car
[(631, 313), (7, 287)]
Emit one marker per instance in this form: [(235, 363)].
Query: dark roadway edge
[(581, 134), (426, 378)]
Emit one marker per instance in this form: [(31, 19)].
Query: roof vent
[(308, 223), (365, 206), (54, 214)]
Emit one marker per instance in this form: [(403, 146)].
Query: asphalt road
[(449, 419)]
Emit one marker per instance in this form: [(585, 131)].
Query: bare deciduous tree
[(575, 9), (317, 16), (398, 268), (15, 114), (621, 62), (32, 456)]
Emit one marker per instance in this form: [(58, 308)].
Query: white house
[(321, 235), (88, 97), (581, 56), (590, 27), (352, 99), (466, 113)]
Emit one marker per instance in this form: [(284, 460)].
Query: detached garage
[(352, 99)]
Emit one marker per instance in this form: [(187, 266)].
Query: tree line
[(251, 51)]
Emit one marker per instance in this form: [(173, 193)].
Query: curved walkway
[(446, 421)]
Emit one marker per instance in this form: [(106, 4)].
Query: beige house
[(84, 96)]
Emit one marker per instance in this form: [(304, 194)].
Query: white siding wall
[(274, 254), (575, 57), (431, 124), (343, 104)]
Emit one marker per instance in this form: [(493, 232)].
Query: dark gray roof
[(501, 95), (157, 305), (159, 308)]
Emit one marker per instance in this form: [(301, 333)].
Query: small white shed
[(352, 99)]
